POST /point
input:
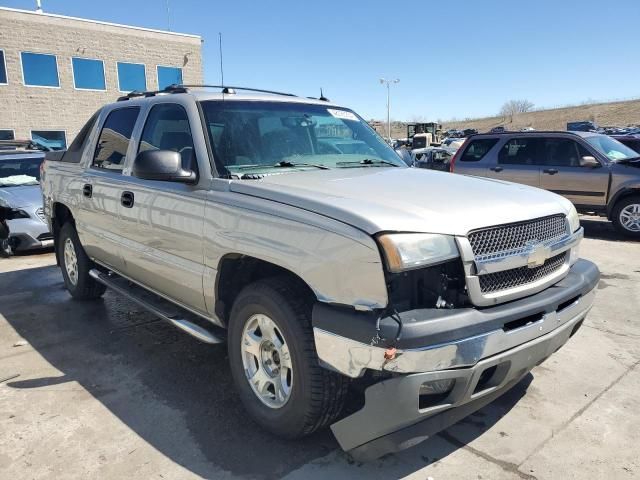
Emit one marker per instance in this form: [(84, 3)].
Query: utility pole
[(388, 84)]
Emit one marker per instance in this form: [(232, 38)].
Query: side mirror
[(589, 162), (163, 165)]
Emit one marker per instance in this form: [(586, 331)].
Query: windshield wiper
[(283, 164), (625, 160), (369, 161)]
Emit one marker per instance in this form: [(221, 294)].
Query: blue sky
[(452, 62)]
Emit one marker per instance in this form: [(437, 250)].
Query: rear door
[(562, 173), (100, 228), (475, 159), (519, 161)]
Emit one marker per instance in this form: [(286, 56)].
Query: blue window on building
[(39, 69), (7, 135), (53, 139), (88, 74), (168, 76), (131, 76), (3, 68)]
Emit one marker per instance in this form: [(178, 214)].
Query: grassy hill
[(604, 114)]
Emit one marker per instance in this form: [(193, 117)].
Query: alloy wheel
[(71, 261), (630, 217), (266, 361)]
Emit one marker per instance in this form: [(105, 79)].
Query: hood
[(27, 195), (377, 199)]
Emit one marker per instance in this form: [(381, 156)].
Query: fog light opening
[(435, 392)]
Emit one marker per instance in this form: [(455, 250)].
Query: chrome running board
[(176, 316)]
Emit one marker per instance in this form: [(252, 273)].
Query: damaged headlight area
[(406, 251), (436, 286)]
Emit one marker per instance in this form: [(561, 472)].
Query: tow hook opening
[(435, 393), (491, 377)]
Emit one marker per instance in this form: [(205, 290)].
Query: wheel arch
[(619, 195), (236, 271), (60, 214)]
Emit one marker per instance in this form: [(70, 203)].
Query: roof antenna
[(322, 97), (220, 48)]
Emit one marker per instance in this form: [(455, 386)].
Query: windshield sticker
[(342, 114)]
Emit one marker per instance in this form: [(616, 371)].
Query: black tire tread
[(328, 389), (87, 288), (615, 215)]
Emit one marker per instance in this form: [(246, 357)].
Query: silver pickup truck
[(286, 228)]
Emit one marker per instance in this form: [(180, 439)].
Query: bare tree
[(513, 107)]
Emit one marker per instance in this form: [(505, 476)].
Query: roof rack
[(528, 132), (226, 89)]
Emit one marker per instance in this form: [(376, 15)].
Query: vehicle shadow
[(601, 229), (171, 390)]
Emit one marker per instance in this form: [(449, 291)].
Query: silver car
[(20, 190), (286, 228), (597, 173)]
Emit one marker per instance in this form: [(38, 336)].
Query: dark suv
[(596, 172)]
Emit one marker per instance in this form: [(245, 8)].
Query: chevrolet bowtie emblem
[(538, 254)]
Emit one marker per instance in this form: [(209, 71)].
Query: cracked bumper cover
[(457, 345)]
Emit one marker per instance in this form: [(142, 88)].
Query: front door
[(562, 173), (164, 222)]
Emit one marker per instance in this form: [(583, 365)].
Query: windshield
[(250, 136), (612, 148), (22, 171)]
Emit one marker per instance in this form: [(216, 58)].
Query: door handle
[(496, 169), (550, 171), (87, 190), (126, 199)]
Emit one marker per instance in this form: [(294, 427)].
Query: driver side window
[(167, 128)]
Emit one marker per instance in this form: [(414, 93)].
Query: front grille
[(516, 277), (515, 237), (40, 214)]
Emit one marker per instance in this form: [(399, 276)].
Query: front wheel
[(75, 265), (626, 216), (274, 363)]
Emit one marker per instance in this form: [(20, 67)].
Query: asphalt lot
[(105, 390)]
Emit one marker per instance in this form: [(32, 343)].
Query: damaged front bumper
[(477, 354)]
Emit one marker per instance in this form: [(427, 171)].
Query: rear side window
[(74, 152), (477, 149), (521, 151), (167, 128), (113, 142)]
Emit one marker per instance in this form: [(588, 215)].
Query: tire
[(626, 216), (315, 395), (78, 281)]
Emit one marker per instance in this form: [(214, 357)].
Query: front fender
[(341, 264)]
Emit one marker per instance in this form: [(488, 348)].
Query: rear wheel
[(626, 216), (274, 363), (75, 265)]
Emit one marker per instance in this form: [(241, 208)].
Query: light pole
[(388, 83)]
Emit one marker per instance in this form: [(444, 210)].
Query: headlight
[(574, 220), (405, 251)]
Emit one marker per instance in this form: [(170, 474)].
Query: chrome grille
[(40, 214), (512, 238), (494, 282)]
